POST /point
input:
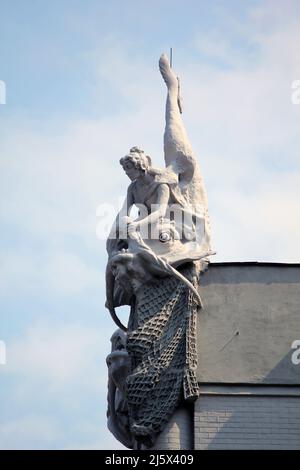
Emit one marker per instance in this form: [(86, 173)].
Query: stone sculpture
[(154, 263), (118, 363)]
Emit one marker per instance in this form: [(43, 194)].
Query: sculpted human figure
[(118, 363), (160, 193), (153, 266)]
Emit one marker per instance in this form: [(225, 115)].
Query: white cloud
[(60, 355), (59, 396), (30, 432), (264, 224), (104, 440), (56, 273), (242, 121)]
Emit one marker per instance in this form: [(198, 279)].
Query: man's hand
[(133, 230)]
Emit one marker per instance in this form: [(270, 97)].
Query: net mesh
[(162, 347)]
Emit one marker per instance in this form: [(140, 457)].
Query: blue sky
[(82, 88)]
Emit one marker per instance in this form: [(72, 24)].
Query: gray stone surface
[(251, 317), (247, 422), (178, 433)]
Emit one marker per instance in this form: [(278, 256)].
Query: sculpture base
[(178, 433)]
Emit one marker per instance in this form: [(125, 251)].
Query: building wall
[(250, 394), (250, 386), (250, 319), (248, 421)]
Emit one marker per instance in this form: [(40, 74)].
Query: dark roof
[(256, 263)]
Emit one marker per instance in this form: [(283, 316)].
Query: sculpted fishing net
[(162, 347)]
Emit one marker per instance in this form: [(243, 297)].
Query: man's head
[(135, 163)]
